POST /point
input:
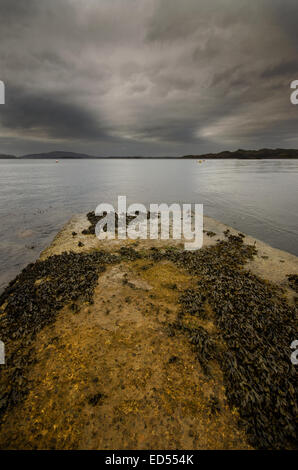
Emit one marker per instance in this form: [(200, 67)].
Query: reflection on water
[(37, 197)]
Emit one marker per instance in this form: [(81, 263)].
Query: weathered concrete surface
[(111, 376)]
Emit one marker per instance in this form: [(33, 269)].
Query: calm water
[(38, 197)]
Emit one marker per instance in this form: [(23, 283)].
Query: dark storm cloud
[(285, 16), (147, 76), (48, 115), (16, 10), (282, 69)]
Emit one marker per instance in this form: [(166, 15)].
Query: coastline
[(190, 157), (264, 153), (131, 357)]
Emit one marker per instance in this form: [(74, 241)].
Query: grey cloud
[(284, 14), (284, 68), (16, 10), (48, 115), (147, 76)]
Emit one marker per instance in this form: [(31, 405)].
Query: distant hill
[(249, 154), (240, 154), (57, 155)]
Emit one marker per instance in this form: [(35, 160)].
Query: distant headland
[(249, 154), (238, 154), (3, 155)]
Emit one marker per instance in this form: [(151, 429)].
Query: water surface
[(259, 197)]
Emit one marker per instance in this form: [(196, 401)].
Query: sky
[(147, 77)]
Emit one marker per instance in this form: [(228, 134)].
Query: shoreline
[(198, 157), (126, 344)]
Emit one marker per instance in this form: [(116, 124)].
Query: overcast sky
[(150, 77)]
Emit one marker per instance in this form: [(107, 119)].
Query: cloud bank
[(150, 77)]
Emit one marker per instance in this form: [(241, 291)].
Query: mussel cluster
[(94, 219), (33, 299), (204, 345), (128, 253), (35, 296), (257, 326)]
